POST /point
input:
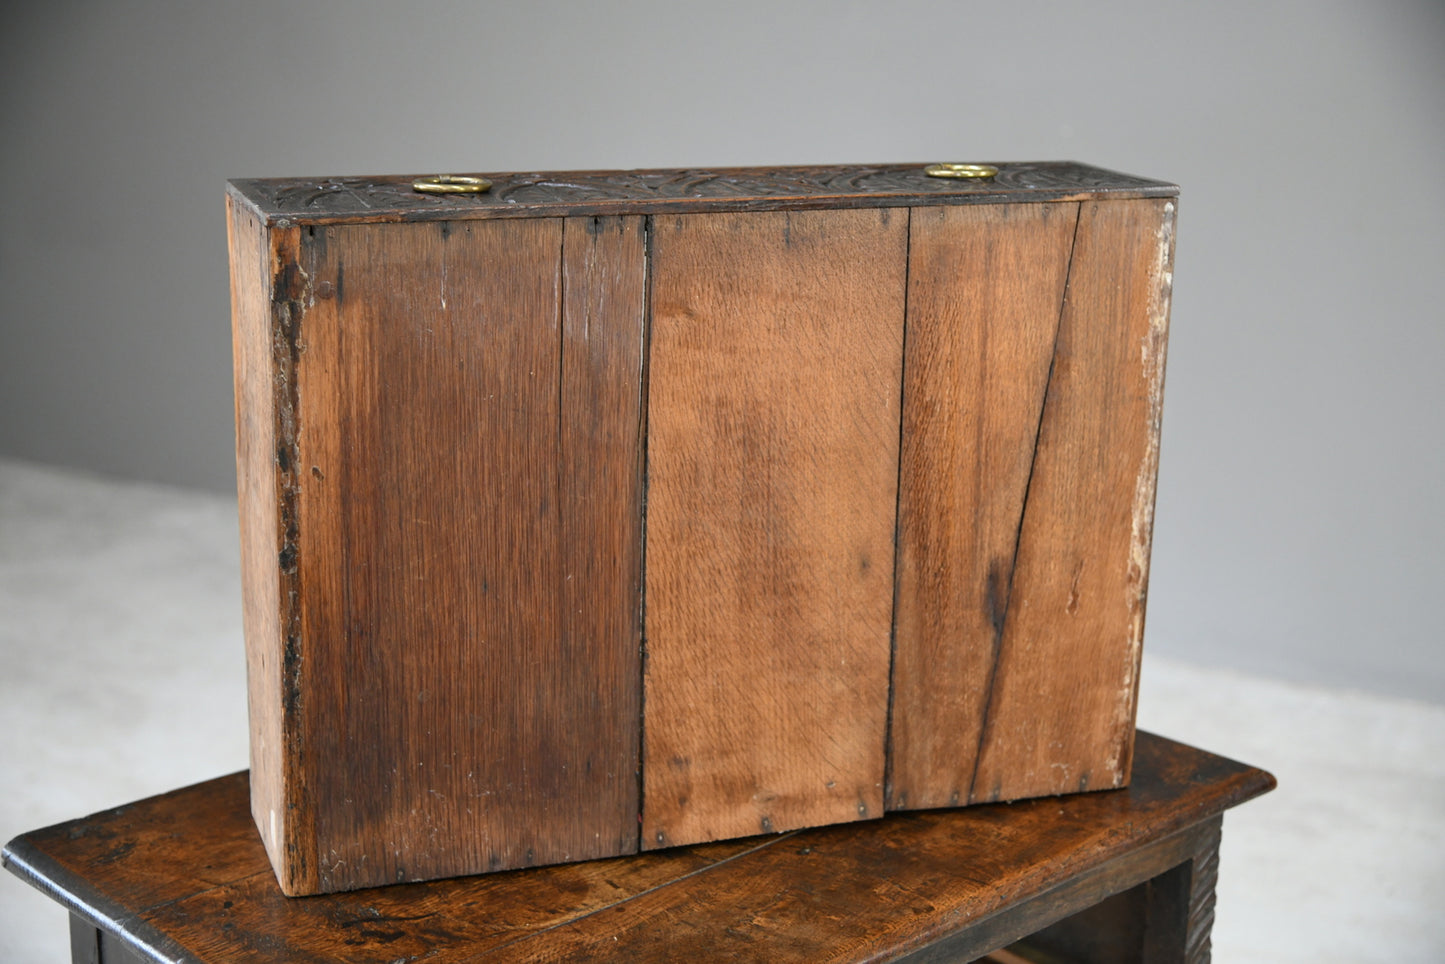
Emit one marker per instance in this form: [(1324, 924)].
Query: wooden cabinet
[(616, 511)]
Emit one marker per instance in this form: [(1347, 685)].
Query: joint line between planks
[(644, 372), (897, 518), (561, 449)]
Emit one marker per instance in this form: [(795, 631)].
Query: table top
[(184, 877)]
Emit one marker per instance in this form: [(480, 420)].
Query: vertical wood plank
[(604, 283), (456, 704), (986, 285), (1060, 712), (259, 305), (774, 381)]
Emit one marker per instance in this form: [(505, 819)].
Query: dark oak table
[(1117, 876)]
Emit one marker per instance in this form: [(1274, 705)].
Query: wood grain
[(772, 470), (986, 285), (483, 722), (599, 659), (441, 434), (1194, 896), (184, 877), (257, 319), (1060, 712)]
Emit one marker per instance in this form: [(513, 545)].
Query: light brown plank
[(479, 719), (1061, 710), (986, 285), (772, 471), (259, 503)]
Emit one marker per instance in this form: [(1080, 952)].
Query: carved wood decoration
[(624, 510), (322, 200)]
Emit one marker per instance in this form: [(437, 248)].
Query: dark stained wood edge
[(77, 895), (328, 200), (290, 296), (1019, 920), (114, 950), (84, 941)]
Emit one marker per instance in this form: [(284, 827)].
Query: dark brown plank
[(483, 724), (772, 471), (604, 263), (1060, 710), (986, 285), (594, 193)]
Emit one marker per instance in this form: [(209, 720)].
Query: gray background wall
[(1300, 523)]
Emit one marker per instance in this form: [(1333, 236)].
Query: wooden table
[(1118, 876)]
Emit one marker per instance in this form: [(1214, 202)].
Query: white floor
[(121, 676)]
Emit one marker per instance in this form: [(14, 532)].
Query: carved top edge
[(556, 194)]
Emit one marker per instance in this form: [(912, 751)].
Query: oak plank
[(774, 384), (483, 723), (429, 550), (986, 286), (604, 266), (1060, 712)]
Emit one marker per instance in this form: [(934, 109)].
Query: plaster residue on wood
[(1153, 347)]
